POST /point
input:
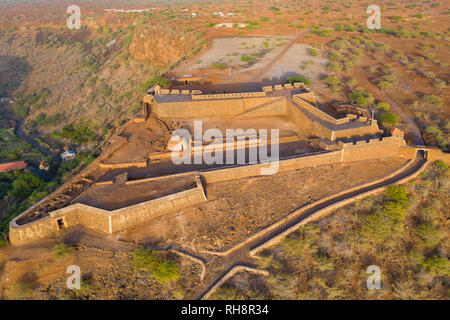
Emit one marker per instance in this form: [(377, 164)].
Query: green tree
[(155, 80), (389, 118), (25, 185), (295, 79)]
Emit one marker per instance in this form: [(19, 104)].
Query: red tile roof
[(396, 131), (10, 166)]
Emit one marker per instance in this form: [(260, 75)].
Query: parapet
[(178, 92), (287, 86), (229, 95), (369, 142)]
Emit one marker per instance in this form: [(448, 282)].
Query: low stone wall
[(231, 273)]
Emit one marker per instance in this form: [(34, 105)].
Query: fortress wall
[(283, 165), (229, 95), (316, 111), (94, 218), (254, 108), (389, 147), (305, 124), (122, 165), (45, 227), (435, 154), (371, 129), (374, 149), (36, 230), (270, 106), (106, 222), (198, 109), (131, 216), (113, 221)]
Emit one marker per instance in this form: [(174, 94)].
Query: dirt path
[(219, 266)]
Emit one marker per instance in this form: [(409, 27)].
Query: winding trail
[(220, 266)]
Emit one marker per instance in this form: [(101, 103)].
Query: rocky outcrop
[(161, 46)]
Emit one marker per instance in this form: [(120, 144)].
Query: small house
[(44, 166), (68, 155)]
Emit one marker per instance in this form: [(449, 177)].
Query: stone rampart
[(113, 221), (317, 112), (107, 222), (229, 95), (246, 107)]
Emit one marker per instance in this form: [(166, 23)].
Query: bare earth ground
[(238, 208), (104, 264), (143, 138), (291, 64), (230, 50)]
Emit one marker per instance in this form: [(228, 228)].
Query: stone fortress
[(134, 179)]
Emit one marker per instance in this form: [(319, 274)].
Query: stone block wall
[(374, 149), (103, 221), (261, 106), (305, 124), (316, 111), (229, 95)]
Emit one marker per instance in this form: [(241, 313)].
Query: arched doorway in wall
[(421, 154)]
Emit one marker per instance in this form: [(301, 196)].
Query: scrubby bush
[(439, 137), (432, 99), (389, 118), (219, 65), (62, 250), (334, 67), (430, 235), (79, 134), (331, 81), (19, 291), (361, 98), (25, 185), (384, 106), (155, 80), (161, 268), (437, 266), (294, 79), (312, 52)]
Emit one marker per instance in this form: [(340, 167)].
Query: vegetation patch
[(161, 267)]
